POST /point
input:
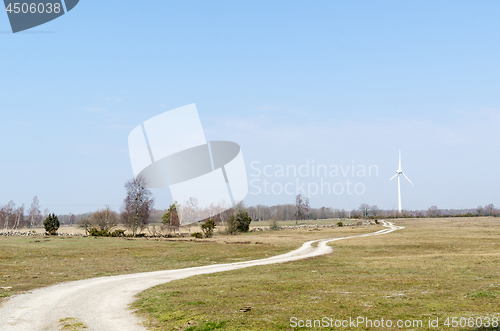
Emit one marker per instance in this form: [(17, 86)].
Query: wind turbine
[(399, 172)]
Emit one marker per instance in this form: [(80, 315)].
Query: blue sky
[(290, 81)]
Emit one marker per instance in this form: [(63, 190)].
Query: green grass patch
[(208, 326), (71, 324), (483, 294)]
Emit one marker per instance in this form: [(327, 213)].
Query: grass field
[(30, 262), (434, 268)]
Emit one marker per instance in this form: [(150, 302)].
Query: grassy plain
[(31, 262), (434, 268)]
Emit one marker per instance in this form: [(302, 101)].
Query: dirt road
[(102, 303)]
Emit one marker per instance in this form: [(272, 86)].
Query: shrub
[(97, 233), (51, 224), (119, 233), (197, 235), (105, 233), (274, 224), (340, 224), (104, 219), (377, 222), (208, 228), (239, 222)]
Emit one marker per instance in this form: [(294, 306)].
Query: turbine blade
[(407, 178), (393, 176), (399, 159)]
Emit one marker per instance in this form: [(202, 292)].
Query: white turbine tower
[(399, 172)]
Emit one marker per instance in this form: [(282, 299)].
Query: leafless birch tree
[(137, 206), (7, 213), (34, 214)]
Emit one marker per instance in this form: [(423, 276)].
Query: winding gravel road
[(102, 303)]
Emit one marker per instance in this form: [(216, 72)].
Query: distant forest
[(15, 217)]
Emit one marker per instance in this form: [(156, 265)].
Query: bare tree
[(433, 211), (489, 209), (363, 208), (301, 208), (7, 213), (19, 214), (191, 211), (137, 206), (105, 219), (479, 210), (85, 224), (71, 219), (34, 213), (375, 211)]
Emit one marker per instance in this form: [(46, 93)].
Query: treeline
[(288, 212), (293, 211), (13, 217), (367, 211), (135, 214), (136, 218)]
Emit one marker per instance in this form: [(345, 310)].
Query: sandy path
[(102, 303)]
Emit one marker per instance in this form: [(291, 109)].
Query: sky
[(294, 83)]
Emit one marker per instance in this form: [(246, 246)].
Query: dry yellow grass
[(31, 262)]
